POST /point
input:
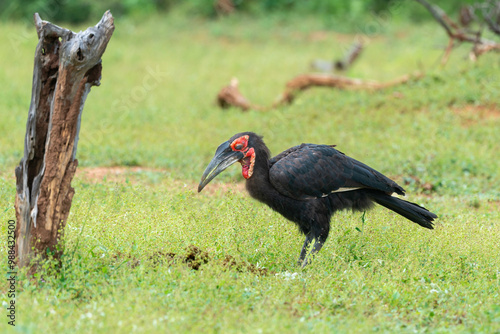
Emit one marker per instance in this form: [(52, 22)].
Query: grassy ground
[(155, 109)]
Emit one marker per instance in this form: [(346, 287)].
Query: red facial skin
[(248, 161)]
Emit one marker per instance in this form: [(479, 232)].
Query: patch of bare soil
[(194, 258), (473, 114), (241, 266), (113, 174), (426, 187), (320, 35), (212, 189)]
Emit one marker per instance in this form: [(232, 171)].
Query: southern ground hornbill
[(308, 183)]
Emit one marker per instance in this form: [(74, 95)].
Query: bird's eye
[(240, 143)]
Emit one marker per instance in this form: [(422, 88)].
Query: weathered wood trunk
[(67, 65)]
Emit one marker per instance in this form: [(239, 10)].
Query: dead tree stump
[(67, 65)]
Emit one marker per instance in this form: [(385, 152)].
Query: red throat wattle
[(247, 163)]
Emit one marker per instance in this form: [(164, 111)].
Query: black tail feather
[(409, 210)]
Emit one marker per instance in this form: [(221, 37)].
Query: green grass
[(381, 274)]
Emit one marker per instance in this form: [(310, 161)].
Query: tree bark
[(66, 66)]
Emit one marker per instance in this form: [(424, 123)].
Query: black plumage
[(308, 183)]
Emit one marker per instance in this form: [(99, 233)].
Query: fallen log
[(230, 96), (306, 81)]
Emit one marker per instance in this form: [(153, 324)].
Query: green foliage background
[(78, 11)]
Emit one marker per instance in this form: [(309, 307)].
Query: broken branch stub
[(230, 96), (341, 64), (66, 66)]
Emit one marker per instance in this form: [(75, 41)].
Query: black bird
[(308, 183)]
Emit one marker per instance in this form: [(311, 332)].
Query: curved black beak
[(224, 157)]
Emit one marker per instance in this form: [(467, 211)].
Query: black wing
[(283, 154), (311, 171)]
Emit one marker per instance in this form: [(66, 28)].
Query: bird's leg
[(318, 243), (303, 252), (319, 236)]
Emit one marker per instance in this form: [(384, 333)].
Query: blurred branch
[(339, 65), (455, 33), (306, 81), (230, 96), (491, 14)]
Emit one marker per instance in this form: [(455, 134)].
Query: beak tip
[(224, 157)]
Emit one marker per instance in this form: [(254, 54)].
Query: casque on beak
[(224, 157)]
